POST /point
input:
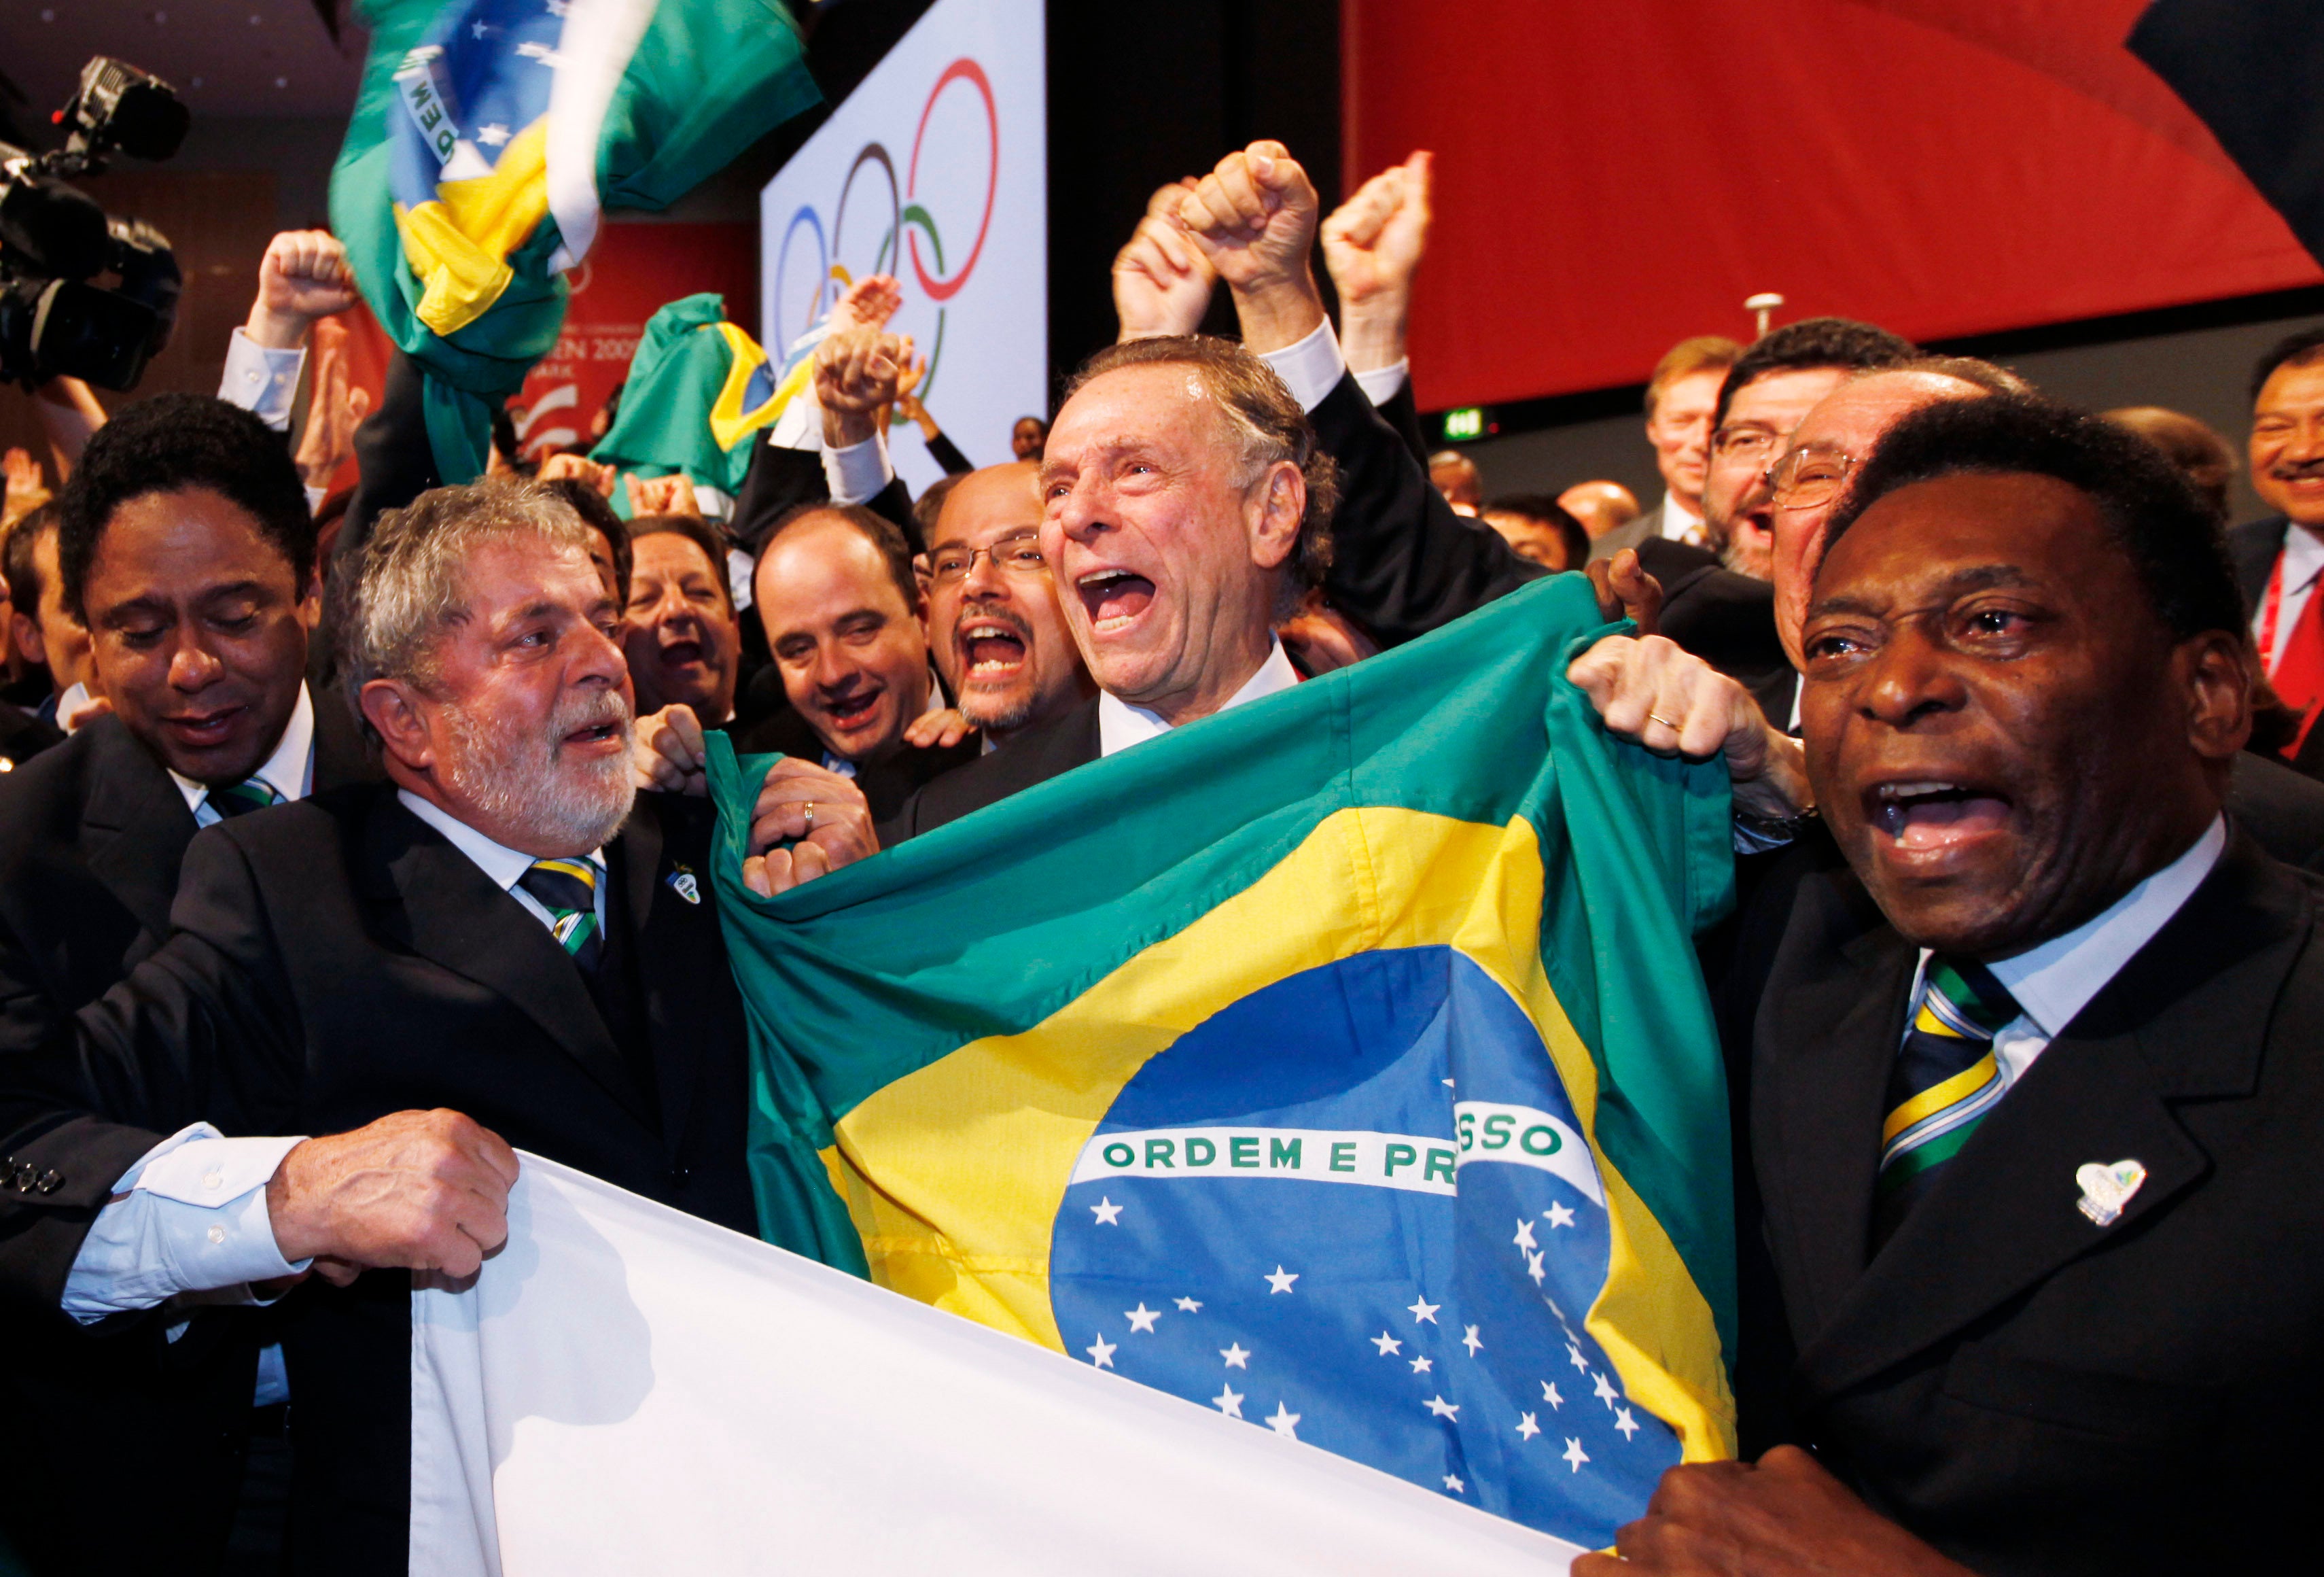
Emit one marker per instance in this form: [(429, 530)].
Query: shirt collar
[(1121, 725), (2056, 980), (503, 866), (1678, 520), (2303, 557), (289, 772)]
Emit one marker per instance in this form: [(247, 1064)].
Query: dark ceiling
[(229, 59)]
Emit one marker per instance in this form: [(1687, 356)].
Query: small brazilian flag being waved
[(489, 137), (1339, 1062), (698, 388)]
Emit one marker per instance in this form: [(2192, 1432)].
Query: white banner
[(935, 170), (626, 1390)]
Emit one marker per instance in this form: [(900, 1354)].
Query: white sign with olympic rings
[(934, 169)]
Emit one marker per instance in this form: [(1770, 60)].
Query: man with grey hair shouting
[(504, 945)]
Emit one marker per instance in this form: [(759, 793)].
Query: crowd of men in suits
[(335, 865)]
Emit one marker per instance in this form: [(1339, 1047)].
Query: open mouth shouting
[(1113, 598), (853, 710), (1934, 816), (992, 648)]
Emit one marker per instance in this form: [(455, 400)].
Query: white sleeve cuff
[(262, 382), (190, 1215), (856, 474), (1311, 367), (1379, 384)]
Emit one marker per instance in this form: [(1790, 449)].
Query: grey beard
[(993, 716), (519, 783)]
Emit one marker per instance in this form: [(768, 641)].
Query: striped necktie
[(1945, 1080), (568, 889), (239, 799)]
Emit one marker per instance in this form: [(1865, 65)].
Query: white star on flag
[(1559, 1216), (1229, 1401), (1191, 1306), (1281, 1282), (1108, 1213), (1625, 1422), (532, 50), (1527, 1427), (1141, 1318), (1284, 1422), (1471, 1340), (479, 31), (1574, 1454), (1523, 1239), (1237, 1356), (560, 7), (1534, 1268), (1423, 1364), (1389, 1345), (1580, 1363), (1422, 1312), (492, 134), (1606, 1393), (1549, 1395), (1102, 1354), (1442, 1408), (1455, 1484)]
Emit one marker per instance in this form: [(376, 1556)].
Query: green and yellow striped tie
[(1945, 1080), (568, 889)]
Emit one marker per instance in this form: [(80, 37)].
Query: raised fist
[(303, 276), (1254, 218), (1373, 242), (579, 467), (867, 303), (1162, 282), (855, 377)]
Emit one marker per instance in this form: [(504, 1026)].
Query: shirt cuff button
[(218, 1234)]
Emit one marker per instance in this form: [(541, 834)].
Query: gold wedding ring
[(1665, 722), (810, 819)]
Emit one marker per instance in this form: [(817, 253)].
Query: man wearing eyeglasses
[(994, 626), (1776, 384)]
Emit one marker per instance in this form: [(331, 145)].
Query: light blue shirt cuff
[(1379, 384), (190, 1215), (1311, 368), (856, 474), (262, 382)]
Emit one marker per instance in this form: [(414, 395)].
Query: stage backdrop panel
[(1613, 178), (933, 169)]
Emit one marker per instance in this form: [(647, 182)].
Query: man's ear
[(25, 634), (1280, 500), (2214, 671), (394, 708), (310, 599)]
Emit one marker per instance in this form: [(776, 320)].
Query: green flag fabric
[(1340, 1062), (489, 137), (698, 388)]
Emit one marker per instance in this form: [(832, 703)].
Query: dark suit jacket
[(338, 960), (886, 784), (2028, 1391), (91, 837), (1726, 619), (1040, 753)]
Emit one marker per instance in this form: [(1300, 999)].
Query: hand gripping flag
[(487, 139), (1339, 1062), (698, 388)]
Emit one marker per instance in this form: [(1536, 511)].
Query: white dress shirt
[(503, 866), (1311, 368), (2303, 562), (266, 383), (2053, 982), (70, 704), (1680, 523), (1121, 725), (289, 772)]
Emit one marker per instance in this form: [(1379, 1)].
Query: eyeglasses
[(1742, 443), (1017, 555), (1807, 477)]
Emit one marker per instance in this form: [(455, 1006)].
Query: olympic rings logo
[(900, 219)]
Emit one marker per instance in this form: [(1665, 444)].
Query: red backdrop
[(1611, 178)]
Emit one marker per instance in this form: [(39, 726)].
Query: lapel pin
[(2106, 1189), (681, 881)]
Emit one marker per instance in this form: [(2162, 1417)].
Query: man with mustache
[(2278, 560), (501, 945), (182, 561), (2032, 1074)]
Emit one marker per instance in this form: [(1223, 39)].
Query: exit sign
[(1467, 423)]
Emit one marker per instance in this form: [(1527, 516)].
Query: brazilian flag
[(1339, 1062), (489, 138), (698, 388)]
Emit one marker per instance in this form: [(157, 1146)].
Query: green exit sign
[(1467, 423)]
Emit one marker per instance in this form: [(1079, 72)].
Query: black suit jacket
[(886, 784), (25, 734), (1040, 753), (2029, 1391), (338, 960), (91, 837)]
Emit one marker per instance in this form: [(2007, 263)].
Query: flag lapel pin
[(2106, 1190), (681, 881)]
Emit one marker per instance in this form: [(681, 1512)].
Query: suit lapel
[(137, 826), (436, 902), (2185, 1018), (678, 965)]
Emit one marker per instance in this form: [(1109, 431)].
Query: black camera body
[(56, 240)]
